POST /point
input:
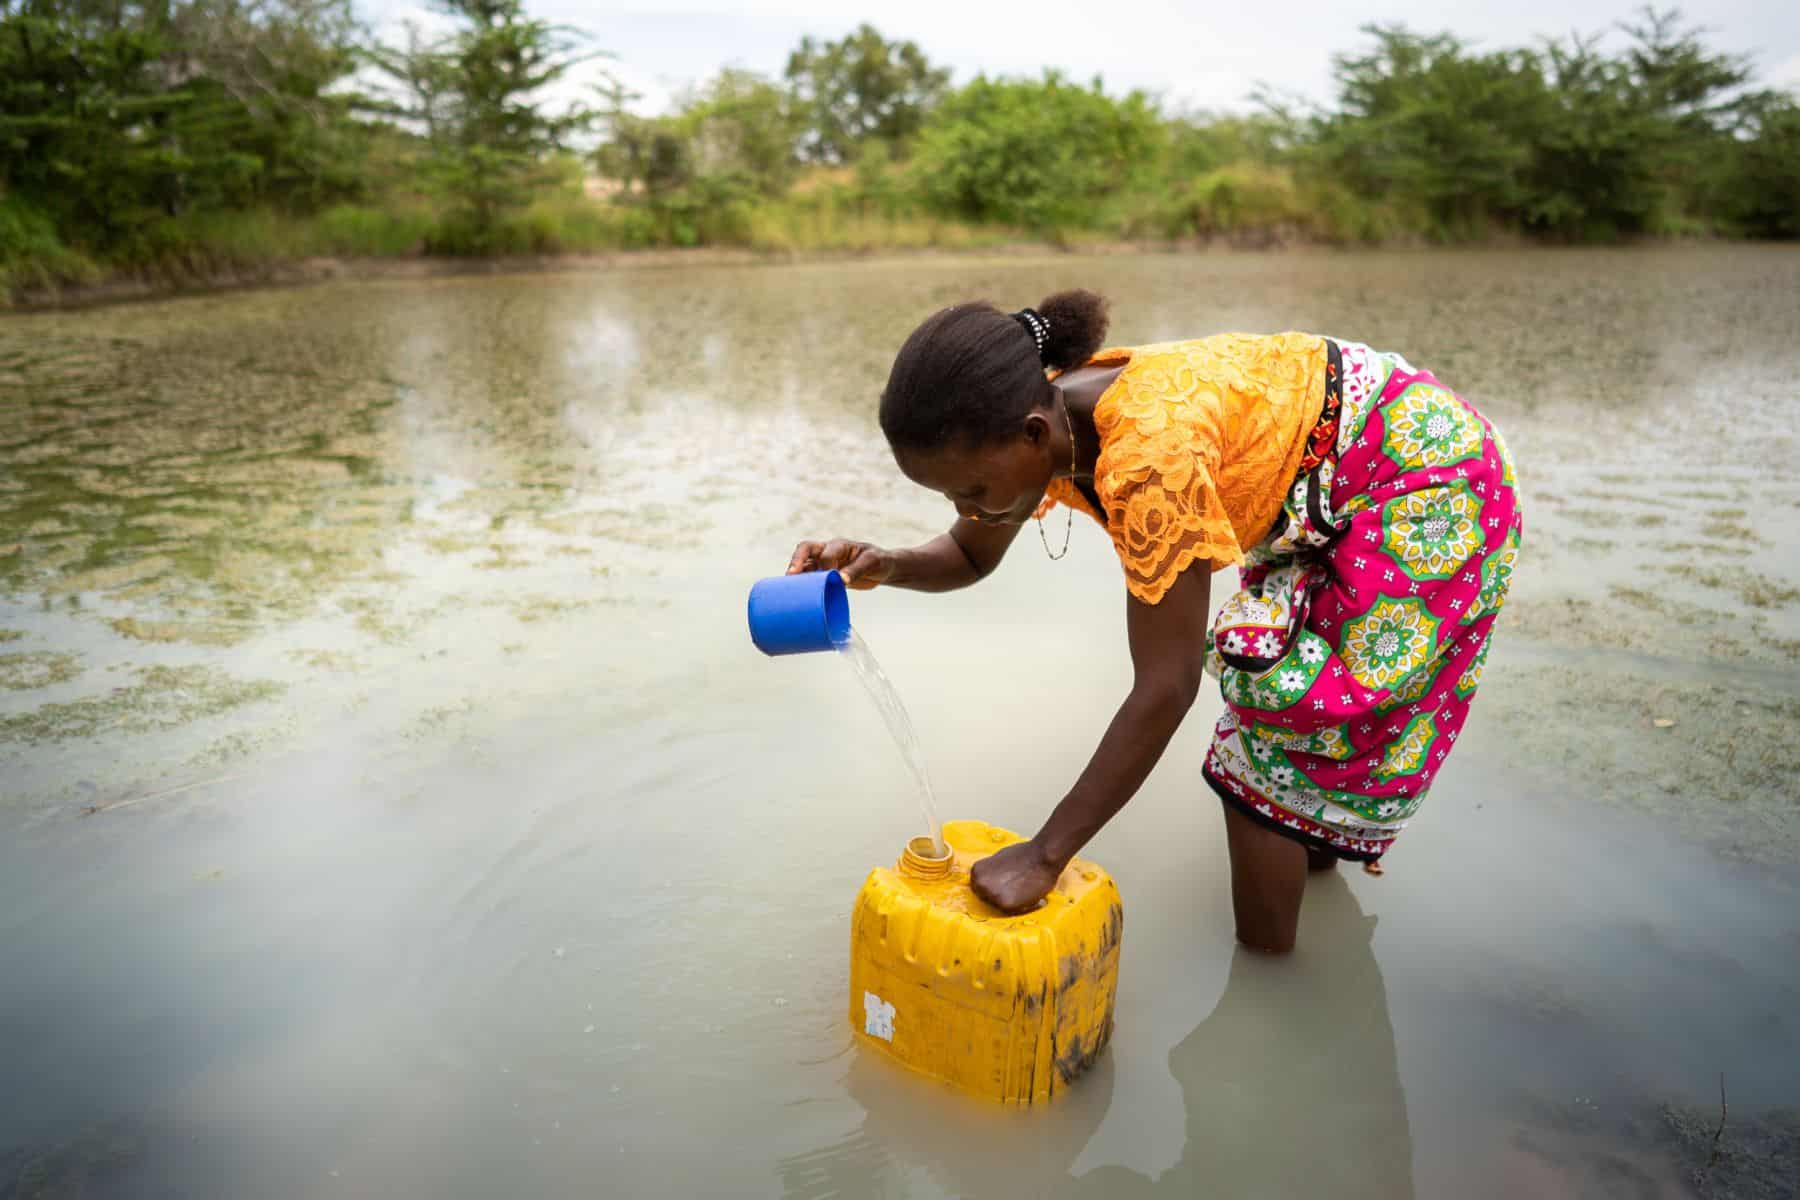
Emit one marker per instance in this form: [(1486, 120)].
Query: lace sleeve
[(1166, 520)]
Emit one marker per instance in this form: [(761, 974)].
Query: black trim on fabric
[(1317, 514), (1246, 664), (1293, 835), (1334, 403)]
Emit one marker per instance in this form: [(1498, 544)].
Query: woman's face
[(997, 483)]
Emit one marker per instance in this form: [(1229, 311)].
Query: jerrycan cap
[(920, 860)]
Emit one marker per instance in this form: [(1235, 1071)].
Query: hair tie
[(1037, 326)]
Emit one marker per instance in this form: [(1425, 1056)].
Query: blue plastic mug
[(797, 614)]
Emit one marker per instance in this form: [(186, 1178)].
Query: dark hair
[(972, 372)]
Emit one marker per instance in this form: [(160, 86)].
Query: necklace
[(1069, 524)]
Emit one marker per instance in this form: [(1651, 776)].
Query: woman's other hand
[(862, 565), (1016, 878)]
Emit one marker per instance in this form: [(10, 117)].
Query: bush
[(1342, 215), (1042, 154), (361, 231), (1241, 196), (32, 255), (1764, 196)]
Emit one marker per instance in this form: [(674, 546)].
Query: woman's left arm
[(1168, 654)]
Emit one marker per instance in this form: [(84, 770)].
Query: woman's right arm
[(965, 554)]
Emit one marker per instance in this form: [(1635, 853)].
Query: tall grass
[(362, 231), (32, 255), (826, 211)]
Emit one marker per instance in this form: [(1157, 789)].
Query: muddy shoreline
[(127, 286)]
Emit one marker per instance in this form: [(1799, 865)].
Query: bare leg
[(1268, 877), (1320, 860)]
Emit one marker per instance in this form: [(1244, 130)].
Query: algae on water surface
[(37, 669), (162, 698)]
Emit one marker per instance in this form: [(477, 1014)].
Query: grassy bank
[(826, 213), (36, 266)]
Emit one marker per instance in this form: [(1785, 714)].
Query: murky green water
[(447, 836)]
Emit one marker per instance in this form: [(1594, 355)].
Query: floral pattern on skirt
[(1355, 643)]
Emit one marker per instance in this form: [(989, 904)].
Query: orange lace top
[(1199, 443)]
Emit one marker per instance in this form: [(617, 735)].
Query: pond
[(394, 804)]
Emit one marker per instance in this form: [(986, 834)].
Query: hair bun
[(1078, 320)]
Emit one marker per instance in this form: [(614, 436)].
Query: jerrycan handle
[(799, 614)]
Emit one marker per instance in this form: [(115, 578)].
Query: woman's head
[(967, 410)]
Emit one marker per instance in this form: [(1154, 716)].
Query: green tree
[(1202, 142), (699, 171), (1763, 194), (1445, 130), (117, 116), (476, 94), (741, 129), (644, 156), (1632, 142), (82, 116), (1592, 171), (1045, 154), (858, 88), (1687, 100), (1676, 78), (277, 67), (1567, 140), (421, 81)]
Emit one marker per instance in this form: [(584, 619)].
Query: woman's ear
[(1037, 428)]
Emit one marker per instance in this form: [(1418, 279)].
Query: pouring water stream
[(900, 726)]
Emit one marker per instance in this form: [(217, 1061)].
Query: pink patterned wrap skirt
[(1350, 653)]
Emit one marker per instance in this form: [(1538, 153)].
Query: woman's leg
[(1268, 877)]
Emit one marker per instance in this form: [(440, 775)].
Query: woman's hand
[(862, 565), (1013, 880)]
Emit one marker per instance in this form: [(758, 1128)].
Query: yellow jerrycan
[(1011, 1008)]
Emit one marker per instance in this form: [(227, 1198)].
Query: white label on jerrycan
[(878, 1017)]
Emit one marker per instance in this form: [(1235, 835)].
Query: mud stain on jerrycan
[(1012, 1008)]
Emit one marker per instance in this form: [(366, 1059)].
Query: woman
[(1371, 511)]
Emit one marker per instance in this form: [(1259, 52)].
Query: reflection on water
[(916, 1136), (1292, 1084), (450, 837)]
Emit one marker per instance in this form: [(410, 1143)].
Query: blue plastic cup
[(797, 614)]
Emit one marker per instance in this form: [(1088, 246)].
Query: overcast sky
[(1202, 55)]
